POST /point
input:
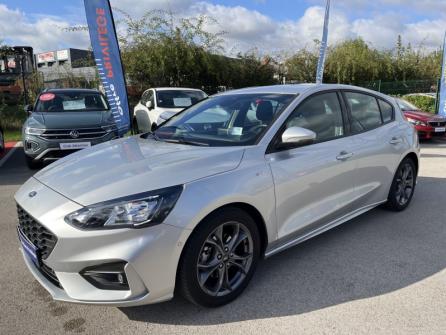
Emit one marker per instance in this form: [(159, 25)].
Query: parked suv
[(63, 121), (159, 104)]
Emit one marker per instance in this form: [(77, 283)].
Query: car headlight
[(34, 131), (416, 122), (137, 211), (110, 128)]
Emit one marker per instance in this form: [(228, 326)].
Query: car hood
[(134, 165), (70, 120), (419, 115)]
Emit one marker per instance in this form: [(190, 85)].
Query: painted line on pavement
[(9, 153)]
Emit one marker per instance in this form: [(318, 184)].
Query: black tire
[(135, 127), (188, 272), (394, 200), (32, 164), (2, 142)]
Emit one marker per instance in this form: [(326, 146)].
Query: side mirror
[(149, 104), (28, 109), (297, 136)]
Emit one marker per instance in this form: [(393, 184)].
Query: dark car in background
[(2, 140), (63, 121), (427, 125)]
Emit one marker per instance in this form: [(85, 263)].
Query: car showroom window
[(365, 112), (386, 111), (322, 114)]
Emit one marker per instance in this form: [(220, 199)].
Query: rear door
[(314, 184), (378, 144)]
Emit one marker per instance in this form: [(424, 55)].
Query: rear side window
[(365, 112), (386, 111)]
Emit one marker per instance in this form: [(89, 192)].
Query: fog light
[(110, 276)]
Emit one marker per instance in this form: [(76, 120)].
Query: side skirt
[(279, 246)]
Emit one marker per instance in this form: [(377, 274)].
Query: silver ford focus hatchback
[(192, 206)]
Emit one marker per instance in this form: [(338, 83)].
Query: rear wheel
[(403, 186), (220, 258)]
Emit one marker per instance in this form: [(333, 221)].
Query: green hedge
[(426, 104)]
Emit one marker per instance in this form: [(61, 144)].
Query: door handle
[(395, 140), (344, 155)]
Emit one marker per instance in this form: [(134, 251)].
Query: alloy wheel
[(225, 259), (405, 183)]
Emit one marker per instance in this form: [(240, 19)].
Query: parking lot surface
[(381, 273)]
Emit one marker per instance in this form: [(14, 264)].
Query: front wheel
[(403, 186), (220, 258), (32, 164)]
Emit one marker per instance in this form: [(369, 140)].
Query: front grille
[(439, 123), (42, 238), (49, 274), (81, 134)]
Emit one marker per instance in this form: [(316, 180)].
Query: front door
[(314, 184)]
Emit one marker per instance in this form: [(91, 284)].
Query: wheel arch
[(413, 156), (250, 210)]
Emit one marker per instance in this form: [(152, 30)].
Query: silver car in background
[(193, 206)]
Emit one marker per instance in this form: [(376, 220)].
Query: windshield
[(71, 102), (406, 106), (226, 120), (178, 98)]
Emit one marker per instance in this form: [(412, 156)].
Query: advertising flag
[(442, 95), (322, 51), (108, 59)]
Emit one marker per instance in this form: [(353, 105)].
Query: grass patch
[(13, 135), (12, 116)]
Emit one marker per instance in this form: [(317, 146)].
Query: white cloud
[(248, 29), (45, 33)]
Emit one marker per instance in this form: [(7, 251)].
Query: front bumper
[(151, 254), (41, 149), (428, 132)]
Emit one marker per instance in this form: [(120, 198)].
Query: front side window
[(365, 112), (226, 120), (322, 114), (70, 102), (178, 98)]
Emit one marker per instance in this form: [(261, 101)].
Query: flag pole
[(323, 48)]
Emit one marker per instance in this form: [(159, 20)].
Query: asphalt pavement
[(381, 273)]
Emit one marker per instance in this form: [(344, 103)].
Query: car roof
[(295, 89), (79, 90), (176, 89)]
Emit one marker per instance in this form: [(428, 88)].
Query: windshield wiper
[(183, 141)]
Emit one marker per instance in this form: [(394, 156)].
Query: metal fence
[(402, 87)]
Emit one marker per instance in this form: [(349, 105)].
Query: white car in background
[(159, 104)]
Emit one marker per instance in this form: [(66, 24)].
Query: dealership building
[(59, 65)]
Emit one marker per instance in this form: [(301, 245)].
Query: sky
[(270, 26)]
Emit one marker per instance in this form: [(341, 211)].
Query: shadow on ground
[(374, 254)]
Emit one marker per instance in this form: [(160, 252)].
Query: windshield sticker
[(47, 97), (182, 102), (237, 131), (73, 105)]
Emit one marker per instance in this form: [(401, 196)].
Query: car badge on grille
[(74, 134), (32, 194)]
